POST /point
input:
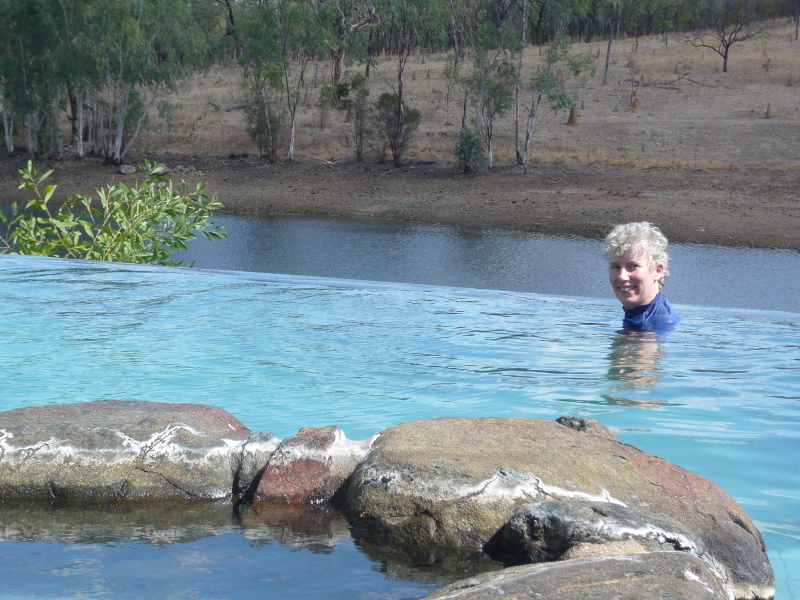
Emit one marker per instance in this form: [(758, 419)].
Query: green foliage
[(548, 87), (166, 110), (470, 157), (332, 96), (145, 223), (122, 55), (386, 118), (266, 127), (357, 104)]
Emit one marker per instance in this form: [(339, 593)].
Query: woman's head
[(637, 258)]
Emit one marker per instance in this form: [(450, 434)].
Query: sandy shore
[(744, 207)]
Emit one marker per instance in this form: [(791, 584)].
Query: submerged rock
[(457, 482), (115, 450), (655, 576)]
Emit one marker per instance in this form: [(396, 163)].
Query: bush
[(141, 224), (265, 126), (470, 157), (386, 117), (358, 106)]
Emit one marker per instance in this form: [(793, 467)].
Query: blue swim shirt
[(657, 316)]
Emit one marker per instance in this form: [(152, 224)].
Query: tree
[(342, 21), (498, 97), (145, 223), (395, 124), (723, 23), (469, 152), (409, 24), (548, 87), (359, 88)]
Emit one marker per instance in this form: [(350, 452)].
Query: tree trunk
[(8, 129), (399, 143), (532, 113), (489, 146), (516, 84), (232, 24), (8, 126), (32, 134), (608, 56), (79, 138), (119, 125), (73, 110), (337, 55)]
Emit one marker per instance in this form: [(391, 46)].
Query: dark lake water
[(380, 250)]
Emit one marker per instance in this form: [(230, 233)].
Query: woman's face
[(634, 281)]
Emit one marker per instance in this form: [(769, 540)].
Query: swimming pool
[(720, 396)]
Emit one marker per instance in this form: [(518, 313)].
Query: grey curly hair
[(643, 235)]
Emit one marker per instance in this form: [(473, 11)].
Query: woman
[(637, 266)]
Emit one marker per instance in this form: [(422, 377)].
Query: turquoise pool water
[(719, 396)]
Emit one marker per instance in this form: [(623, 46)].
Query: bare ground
[(756, 207)]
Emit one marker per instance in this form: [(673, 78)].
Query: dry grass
[(699, 118)]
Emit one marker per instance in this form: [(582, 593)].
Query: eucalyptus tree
[(142, 49), (279, 38), (548, 87), (407, 25), (343, 23), (261, 51), (496, 53), (28, 77)]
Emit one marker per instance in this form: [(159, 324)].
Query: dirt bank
[(756, 207)]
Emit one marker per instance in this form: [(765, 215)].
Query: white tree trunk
[(8, 125), (79, 95), (532, 114)]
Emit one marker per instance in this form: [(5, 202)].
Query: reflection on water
[(634, 359)]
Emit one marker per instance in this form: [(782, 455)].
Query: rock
[(127, 169), (589, 426), (253, 458), (546, 531), (310, 467), (115, 450), (456, 482), (652, 575)]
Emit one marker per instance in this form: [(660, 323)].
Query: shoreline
[(757, 208)]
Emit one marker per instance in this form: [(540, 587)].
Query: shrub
[(470, 157), (358, 106), (389, 134), (141, 224), (265, 126)]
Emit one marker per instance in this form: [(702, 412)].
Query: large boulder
[(456, 482), (655, 576), (117, 450), (310, 467)]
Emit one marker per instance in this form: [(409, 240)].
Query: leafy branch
[(145, 223)]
